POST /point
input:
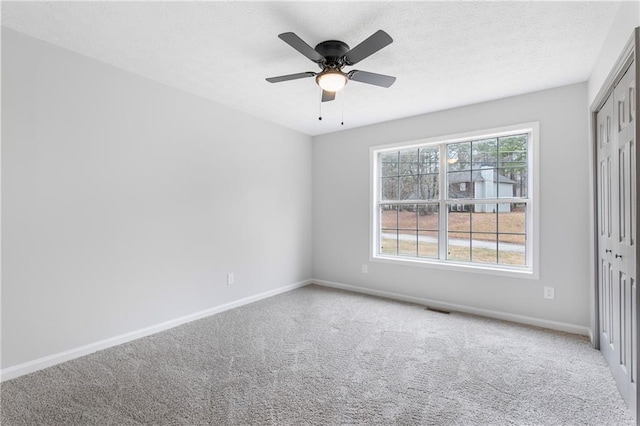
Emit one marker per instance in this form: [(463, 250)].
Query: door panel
[(616, 192), (606, 240), (625, 250)]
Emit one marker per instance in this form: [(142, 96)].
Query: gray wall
[(627, 18), (341, 209), (126, 202)]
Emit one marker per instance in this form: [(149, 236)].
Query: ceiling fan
[(332, 56)]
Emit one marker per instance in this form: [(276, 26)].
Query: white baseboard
[(521, 319), (51, 360)]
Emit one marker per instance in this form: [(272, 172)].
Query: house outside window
[(463, 201)]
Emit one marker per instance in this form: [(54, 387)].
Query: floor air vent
[(440, 311)]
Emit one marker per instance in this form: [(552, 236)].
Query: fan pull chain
[(344, 91), (320, 106)]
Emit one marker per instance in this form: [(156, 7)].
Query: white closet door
[(625, 284), (617, 235), (606, 241)]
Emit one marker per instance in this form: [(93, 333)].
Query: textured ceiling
[(444, 54)]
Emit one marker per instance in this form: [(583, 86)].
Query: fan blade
[(290, 77), (297, 43), (371, 78), (328, 96), (377, 41)]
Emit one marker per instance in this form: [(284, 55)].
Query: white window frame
[(531, 271)]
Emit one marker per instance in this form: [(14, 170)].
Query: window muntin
[(457, 202)]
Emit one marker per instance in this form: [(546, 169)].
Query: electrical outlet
[(549, 293), (365, 269), (230, 278)]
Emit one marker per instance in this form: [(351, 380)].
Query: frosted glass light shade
[(331, 81)]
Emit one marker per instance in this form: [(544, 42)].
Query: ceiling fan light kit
[(331, 80), (332, 56)]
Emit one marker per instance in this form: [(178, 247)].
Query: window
[(464, 201)]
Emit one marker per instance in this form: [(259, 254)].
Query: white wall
[(341, 209), (126, 202), (627, 18)]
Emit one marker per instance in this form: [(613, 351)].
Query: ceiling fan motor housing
[(333, 52)]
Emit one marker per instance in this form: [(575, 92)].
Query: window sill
[(504, 271)]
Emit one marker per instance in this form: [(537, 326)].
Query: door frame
[(630, 53)]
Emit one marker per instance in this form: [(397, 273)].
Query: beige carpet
[(325, 357)]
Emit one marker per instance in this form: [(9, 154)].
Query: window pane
[(388, 242), (429, 160), (460, 184), (484, 154), (389, 216), (389, 164), (513, 162), (429, 187), (409, 188), (409, 162), (459, 156), (459, 218), (485, 183), (506, 186), (389, 229), (428, 217), (389, 188), (459, 247), (512, 250), (408, 243), (428, 244), (484, 218), (511, 218), (512, 149), (513, 180), (484, 248), (407, 217)]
